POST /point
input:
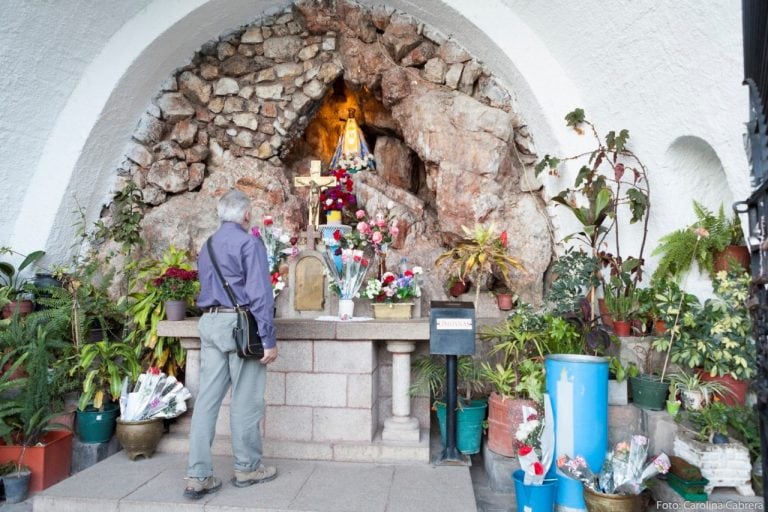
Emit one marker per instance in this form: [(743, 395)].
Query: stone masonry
[(453, 149)]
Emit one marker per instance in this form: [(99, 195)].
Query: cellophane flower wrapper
[(354, 266), (576, 468), (534, 467), (154, 396)]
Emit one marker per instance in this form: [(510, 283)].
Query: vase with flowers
[(176, 286), (338, 198), (535, 440), (375, 233), (622, 479), (346, 276), (393, 294)]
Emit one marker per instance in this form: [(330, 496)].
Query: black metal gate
[(755, 28)]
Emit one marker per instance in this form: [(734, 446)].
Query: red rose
[(538, 468), (389, 279), (524, 450), (337, 235), (268, 220), (364, 262), (408, 273), (504, 238)]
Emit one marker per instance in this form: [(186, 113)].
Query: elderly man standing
[(242, 259)]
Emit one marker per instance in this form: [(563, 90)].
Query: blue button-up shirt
[(242, 259)]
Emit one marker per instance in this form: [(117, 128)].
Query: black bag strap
[(224, 282)]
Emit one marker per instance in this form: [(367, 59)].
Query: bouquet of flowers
[(626, 469), (535, 439), (376, 232), (154, 396), (177, 283), (356, 163), (394, 288), (339, 196), (347, 275), (278, 243)]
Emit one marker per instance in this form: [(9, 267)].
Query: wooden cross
[(311, 236), (315, 182)]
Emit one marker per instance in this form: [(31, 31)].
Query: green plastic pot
[(94, 426), (648, 392), (469, 425)]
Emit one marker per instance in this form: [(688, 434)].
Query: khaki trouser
[(220, 367)]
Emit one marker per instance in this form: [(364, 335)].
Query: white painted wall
[(83, 71)]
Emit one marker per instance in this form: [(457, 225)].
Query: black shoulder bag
[(246, 333)]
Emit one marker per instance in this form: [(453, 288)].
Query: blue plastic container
[(578, 387), (534, 498)]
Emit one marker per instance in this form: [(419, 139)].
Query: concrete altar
[(338, 391)]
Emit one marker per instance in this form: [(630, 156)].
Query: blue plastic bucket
[(578, 386), (534, 498)]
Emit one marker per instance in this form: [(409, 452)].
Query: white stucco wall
[(84, 71)]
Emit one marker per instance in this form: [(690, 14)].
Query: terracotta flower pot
[(605, 316), (659, 327), (738, 388), (504, 417), (736, 253), (22, 307), (622, 328), (505, 301), (458, 288)]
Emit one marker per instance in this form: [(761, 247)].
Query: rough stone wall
[(452, 151)]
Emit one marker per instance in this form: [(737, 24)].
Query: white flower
[(417, 270)]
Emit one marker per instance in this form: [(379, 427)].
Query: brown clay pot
[(622, 328), (736, 253), (599, 502), (22, 307), (504, 417), (659, 327), (504, 301), (605, 316), (738, 388), (458, 288), (139, 437)]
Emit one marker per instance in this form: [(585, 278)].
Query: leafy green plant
[(104, 364), (430, 377), (715, 336), (619, 371), (575, 273), (711, 233), (691, 382), (12, 277), (127, 213), (479, 255), (708, 421), (146, 310), (744, 426), (612, 177)]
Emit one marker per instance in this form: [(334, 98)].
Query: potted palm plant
[(480, 254), (12, 279), (430, 378), (102, 365)]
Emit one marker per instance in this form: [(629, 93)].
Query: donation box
[(452, 328)]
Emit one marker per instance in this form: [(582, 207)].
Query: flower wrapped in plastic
[(626, 469), (535, 437), (154, 395), (279, 245), (347, 269)]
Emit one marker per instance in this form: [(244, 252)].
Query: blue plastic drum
[(578, 386)]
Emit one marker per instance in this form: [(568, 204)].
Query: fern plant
[(711, 233)]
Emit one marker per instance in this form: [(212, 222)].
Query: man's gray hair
[(232, 206)]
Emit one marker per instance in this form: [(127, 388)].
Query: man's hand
[(270, 354)]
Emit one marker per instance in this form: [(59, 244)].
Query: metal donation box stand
[(451, 333)]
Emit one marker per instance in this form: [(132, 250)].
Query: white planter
[(617, 392), (346, 309), (693, 400), (724, 465)]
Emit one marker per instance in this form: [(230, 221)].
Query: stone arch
[(233, 116), (157, 37)]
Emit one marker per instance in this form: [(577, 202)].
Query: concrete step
[(149, 485)]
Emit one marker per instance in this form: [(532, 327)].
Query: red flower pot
[(738, 388), (504, 417)]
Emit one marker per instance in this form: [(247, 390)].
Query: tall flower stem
[(700, 233)]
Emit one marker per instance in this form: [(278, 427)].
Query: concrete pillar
[(401, 426)]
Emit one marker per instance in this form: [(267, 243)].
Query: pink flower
[(255, 231), (394, 230), (376, 238), (363, 228), (268, 220), (380, 222), (360, 214)]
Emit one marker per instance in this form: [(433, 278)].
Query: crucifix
[(315, 182)]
